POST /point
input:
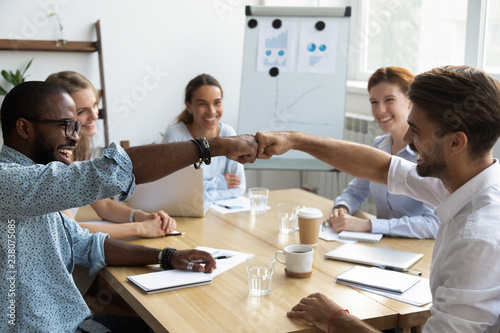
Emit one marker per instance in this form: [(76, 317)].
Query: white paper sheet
[(276, 47), (225, 264), (235, 205), (317, 49)]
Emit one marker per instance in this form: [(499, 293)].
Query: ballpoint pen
[(216, 258), (229, 207), (176, 234), (323, 226), (402, 270)]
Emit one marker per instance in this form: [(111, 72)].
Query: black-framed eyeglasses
[(70, 126)]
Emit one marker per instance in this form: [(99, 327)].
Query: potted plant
[(14, 78)]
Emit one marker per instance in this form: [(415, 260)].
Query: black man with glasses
[(39, 246)]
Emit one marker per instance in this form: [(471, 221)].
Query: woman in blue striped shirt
[(397, 215)]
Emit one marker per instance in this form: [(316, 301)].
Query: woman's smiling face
[(87, 111)]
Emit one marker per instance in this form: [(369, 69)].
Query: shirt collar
[(10, 155), (462, 196), (387, 141)]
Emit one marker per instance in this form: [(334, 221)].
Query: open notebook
[(178, 194)]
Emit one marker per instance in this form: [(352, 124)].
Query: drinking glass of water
[(287, 215), (260, 271), (258, 200)]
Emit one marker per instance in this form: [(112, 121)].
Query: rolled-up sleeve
[(88, 248), (404, 179), (74, 185)]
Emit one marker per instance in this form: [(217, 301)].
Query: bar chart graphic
[(275, 47)]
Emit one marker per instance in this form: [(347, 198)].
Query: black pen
[(402, 270), (216, 258), (229, 207), (176, 234)]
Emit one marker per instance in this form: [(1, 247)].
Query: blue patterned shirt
[(39, 246)]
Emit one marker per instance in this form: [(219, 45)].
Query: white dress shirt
[(397, 215), (465, 270)]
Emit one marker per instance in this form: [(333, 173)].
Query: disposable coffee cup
[(309, 222)]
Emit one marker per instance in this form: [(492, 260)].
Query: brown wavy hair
[(201, 80)]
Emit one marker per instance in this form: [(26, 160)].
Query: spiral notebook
[(360, 236)]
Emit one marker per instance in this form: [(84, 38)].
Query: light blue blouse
[(39, 246), (214, 183), (397, 215)]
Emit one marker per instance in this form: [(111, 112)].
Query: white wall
[(176, 40), (151, 50)]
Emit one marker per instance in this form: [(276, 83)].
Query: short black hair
[(26, 100)]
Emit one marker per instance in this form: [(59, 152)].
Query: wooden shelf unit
[(57, 46)]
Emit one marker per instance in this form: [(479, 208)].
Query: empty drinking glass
[(287, 214)]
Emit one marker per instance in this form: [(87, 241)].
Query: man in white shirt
[(454, 124)]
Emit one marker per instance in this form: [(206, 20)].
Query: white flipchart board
[(294, 76)]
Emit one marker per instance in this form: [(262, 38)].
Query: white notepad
[(177, 279), (360, 236), (379, 278), (169, 280), (418, 295)]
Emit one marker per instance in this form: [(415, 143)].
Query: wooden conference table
[(226, 306)]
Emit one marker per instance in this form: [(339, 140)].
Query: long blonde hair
[(73, 82)]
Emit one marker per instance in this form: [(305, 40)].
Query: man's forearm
[(350, 157), (346, 323), (119, 253), (152, 162)]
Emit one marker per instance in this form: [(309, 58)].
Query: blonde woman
[(151, 224)]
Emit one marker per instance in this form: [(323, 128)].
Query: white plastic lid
[(310, 213)]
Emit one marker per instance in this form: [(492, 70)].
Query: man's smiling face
[(51, 142), (423, 140)]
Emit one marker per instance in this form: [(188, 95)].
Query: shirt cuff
[(380, 226), (396, 179), (98, 261), (343, 203), (118, 154)]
